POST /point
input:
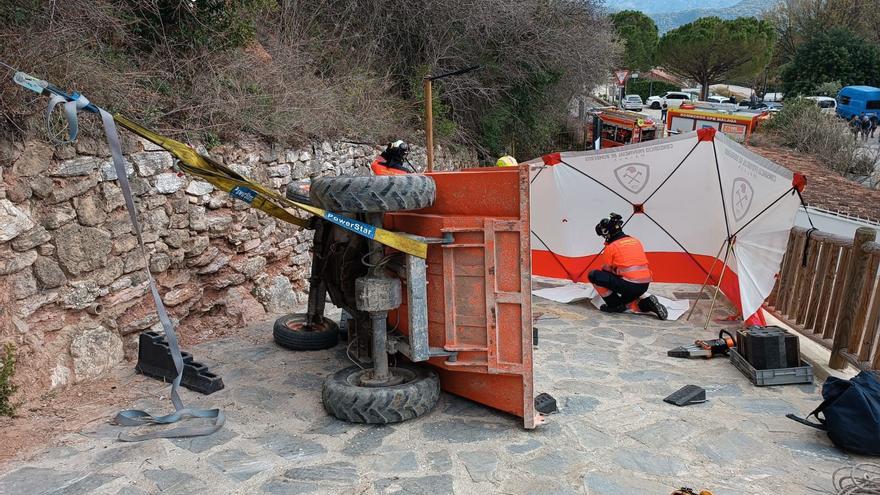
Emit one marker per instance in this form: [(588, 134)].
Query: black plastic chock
[(154, 360), (545, 404)]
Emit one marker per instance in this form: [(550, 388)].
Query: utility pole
[(429, 111)]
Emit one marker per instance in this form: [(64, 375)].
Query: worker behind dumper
[(506, 161), (392, 161), (624, 278)]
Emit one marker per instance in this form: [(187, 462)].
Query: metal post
[(705, 282), (317, 286), (718, 288), (855, 277), (429, 124)]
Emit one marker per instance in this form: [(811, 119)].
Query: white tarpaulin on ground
[(684, 197), (574, 292)]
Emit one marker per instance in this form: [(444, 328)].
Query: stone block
[(34, 159), (169, 183), (53, 217), (31, 239), (19, 190), (149, 163), (71, 189), (159, 262), (11, 261), (199, 188), (182, 294), (277, 296), (111, 194), (481, 465), (250, 267), (82, 249), (196, 246), (48, 274), (108, 170), (282, 170), (94, 350), (83, 165), (23, 284), (89, 211), (13, 221), (215, 265), (176, 238), (124, 244)]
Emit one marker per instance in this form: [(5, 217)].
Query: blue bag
[(851, 413)]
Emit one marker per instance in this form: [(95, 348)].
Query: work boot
[(612, 309), (650, 304)]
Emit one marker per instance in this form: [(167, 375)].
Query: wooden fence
[(828, 290)]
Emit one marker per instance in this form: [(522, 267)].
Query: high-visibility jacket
[(380, 167), (626, 258)]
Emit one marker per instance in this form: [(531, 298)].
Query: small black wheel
[(655, 105), (290, 331), (346, 398), (373, 194)]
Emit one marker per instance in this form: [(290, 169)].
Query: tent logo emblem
[(742, 198), (632, 176)]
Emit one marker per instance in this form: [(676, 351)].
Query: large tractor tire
[(291, 332), (345, 398), (373, 194)]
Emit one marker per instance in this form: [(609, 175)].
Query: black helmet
[(610, 227)]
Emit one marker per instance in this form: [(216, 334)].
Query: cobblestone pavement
[(613, 434)]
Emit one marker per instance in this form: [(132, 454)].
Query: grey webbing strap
[(135, 417)]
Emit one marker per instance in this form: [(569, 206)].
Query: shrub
[(802, 125), (7, 388)]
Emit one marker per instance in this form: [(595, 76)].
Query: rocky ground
[(613, 434)]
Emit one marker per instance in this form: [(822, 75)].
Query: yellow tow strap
[(262, 198)]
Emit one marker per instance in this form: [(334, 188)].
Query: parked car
[(673, 99), (775, 97), (826, 103), (856, 100), (632, 102), (718, 99), (770, 106)]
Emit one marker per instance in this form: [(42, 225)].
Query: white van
[(826, 103)]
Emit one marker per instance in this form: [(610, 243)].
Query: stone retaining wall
[(73, 293)]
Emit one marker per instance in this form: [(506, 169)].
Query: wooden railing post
[(855, 278)]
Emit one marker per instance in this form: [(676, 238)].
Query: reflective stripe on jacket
[(626, 258)]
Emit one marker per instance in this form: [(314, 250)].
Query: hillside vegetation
[(292, 70)]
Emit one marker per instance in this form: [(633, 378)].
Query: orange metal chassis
[(479, 286)]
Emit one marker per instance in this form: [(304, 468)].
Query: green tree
[(711, 50), (837, 55), (639, 34)]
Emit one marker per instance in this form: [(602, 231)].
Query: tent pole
[(718, 289), (706, 282)]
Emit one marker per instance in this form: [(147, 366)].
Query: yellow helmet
[(506, 161)]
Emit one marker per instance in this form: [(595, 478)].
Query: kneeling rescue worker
[(392, 160), (625, 275)]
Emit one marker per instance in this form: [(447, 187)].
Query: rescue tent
[(687, 198)]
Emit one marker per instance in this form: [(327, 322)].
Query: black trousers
[(623, 291)]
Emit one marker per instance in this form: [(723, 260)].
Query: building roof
[(825, 188)]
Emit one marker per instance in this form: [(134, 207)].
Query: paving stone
[(662, 434), (723, 390), (608, 333), (174, 482), (397, 461), (330, 426), (815, 448), (522, 448), (729, 447), (589, 437), (596, 483), (238, 464), (463, 431), (550, 464), (771, 407), (334, 472), (579, 404), (481, 465), (439, 462), (197, 445), (85, 485), (132, 490), (367, 440), (647, 462), (648, 376), (600, 357), (283, 486), (290, 446), (36, 481), (428, 485)]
